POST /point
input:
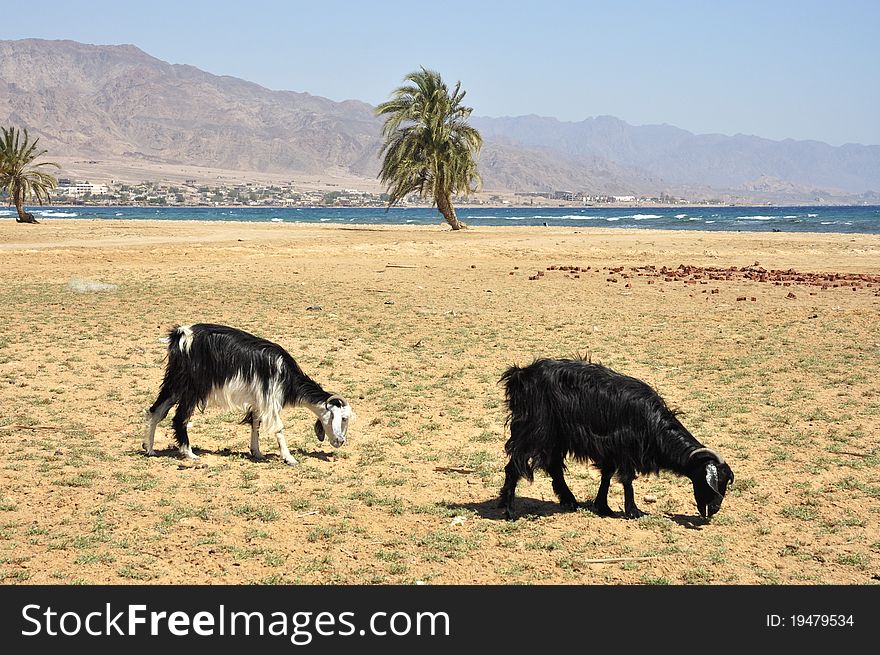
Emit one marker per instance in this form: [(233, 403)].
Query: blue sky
[(777, 69)]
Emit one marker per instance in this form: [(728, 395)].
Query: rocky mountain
[(117, 103), (682, 158)]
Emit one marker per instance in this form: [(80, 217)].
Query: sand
[(415, 326)]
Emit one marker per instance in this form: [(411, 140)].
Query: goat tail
[(527, 432), (519, 393), (179, 340)]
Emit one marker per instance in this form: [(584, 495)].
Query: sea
[(862, 219)]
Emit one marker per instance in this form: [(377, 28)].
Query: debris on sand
[(79, 285), (690, 274)]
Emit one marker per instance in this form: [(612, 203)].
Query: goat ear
[(712, 476), (319, 430)]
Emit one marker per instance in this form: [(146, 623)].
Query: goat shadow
[(687, 521), (268, 458), (532, 508), (525, 508)]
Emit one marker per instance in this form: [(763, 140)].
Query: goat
[(561, 407), (221, 365)]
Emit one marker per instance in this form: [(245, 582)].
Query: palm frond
[(20, 175), (428, 145)]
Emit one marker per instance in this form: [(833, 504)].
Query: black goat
[(561, 407), (216, 364)]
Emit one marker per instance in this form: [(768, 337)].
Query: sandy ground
[(415, 326)]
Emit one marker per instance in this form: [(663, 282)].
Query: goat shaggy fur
[(220, 365), (571, 407)]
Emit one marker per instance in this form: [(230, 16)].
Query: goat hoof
[(569, 505), (291, 462), (257, 455), (634, 514), (603, 510), (150, 452)]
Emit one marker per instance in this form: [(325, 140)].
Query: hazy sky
[(777, 69)]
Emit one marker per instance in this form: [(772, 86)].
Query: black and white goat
[(561, 407), (220, 365)]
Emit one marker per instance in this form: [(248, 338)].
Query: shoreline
[(852, 219), (467, 205)]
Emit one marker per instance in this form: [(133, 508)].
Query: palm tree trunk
[(23, 216), (444, 205)]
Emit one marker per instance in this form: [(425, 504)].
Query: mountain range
[(119, 104)]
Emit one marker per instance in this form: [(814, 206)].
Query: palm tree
[(20, 177), (428, 145)]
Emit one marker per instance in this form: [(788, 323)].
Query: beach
[(777, 370)]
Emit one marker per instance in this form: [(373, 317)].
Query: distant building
[(80, 189)]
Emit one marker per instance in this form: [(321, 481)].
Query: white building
[(80, 189)]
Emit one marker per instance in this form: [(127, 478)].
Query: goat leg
[(630, 510), (181, 417), (508, 491), (566, 498), (600, 505), (255, 439)]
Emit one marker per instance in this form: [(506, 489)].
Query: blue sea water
[(849, 220)]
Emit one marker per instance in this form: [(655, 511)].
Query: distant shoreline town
[(193, 193)]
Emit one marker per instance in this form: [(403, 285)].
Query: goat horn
[(710, 451), (335, 397)]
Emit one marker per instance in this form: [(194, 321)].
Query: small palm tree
[(20, 177), (428, 145)]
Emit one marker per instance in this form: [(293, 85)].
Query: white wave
[(696, 218), (790, 216), (48, 212), (681, 215), (324, 220), (812, 215), (118, 214), (828, 222), (642, 217), (277, 220), (517, 218), (613, 218), (707, 222), (756, 218)]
